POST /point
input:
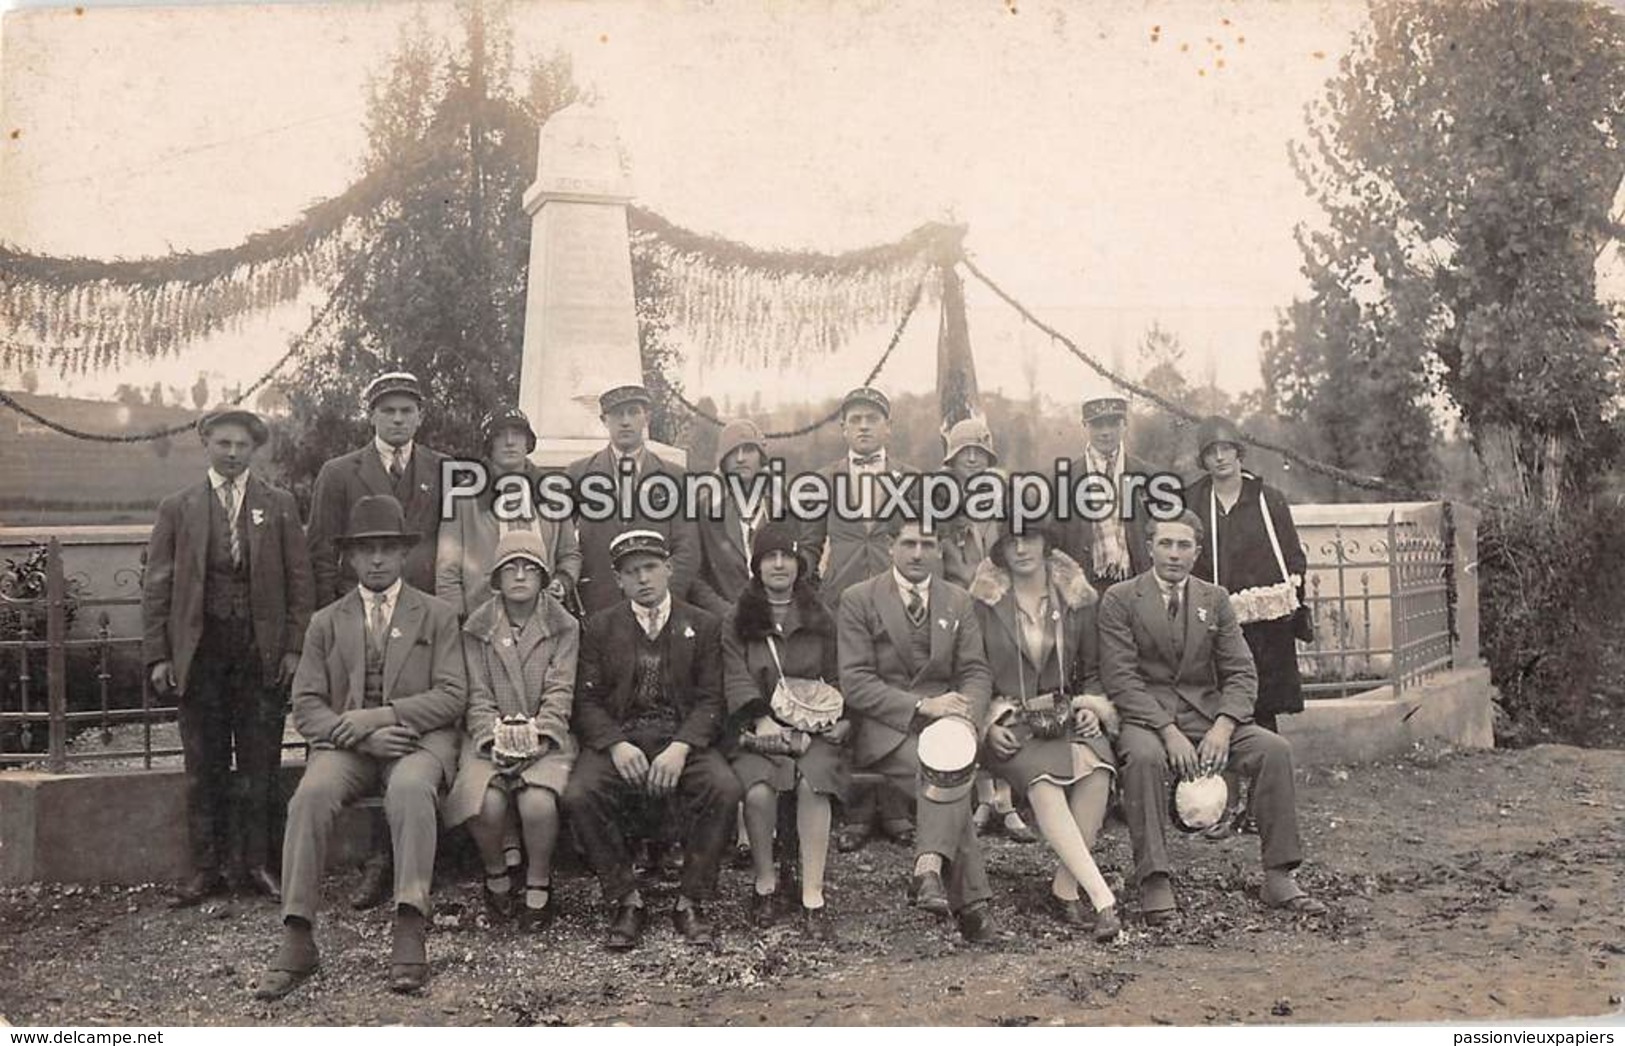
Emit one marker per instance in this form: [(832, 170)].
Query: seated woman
[(517, 751), (1045, 730), (779, 630)]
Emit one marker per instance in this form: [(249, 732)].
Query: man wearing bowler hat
[(846, 550), (393, 463), (379, 695), (648, 711), (911, 653), (1175, 664), (1112, 549), (225, 601), (624, 411)]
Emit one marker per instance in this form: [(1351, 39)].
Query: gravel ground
[(1480, 885)]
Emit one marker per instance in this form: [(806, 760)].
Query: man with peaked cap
[(225, 601), (1113, 549), (649, 709), (846, 551), (392, 464), (726, 536), (624, 411), (379, 695)]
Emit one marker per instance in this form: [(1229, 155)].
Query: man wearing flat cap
[(1114, 549), (392, 463), (726, 534), (379, 695), (846, 551), (648, 712), (624, 411), (225, 601)]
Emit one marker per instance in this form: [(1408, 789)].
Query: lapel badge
[(942, 622), (688, 632), (394, 633), (507, 641), (423, 487), (257, 515), (1201, 614)]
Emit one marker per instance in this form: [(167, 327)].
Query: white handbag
[(1261, 602), (811, 705)]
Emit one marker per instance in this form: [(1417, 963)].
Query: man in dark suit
[(725, 541), (393, 463), (225, 601), (379, 695), (911, 653), (1174, 663), (624, 411), (1114, 549), (648, 710), (846, 550)]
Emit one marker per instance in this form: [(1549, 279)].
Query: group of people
[(515, 675)]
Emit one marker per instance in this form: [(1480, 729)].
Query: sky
[(1117, 164)]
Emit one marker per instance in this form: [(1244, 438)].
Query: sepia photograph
[(682, 513)]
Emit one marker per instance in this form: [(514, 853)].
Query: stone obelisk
[(581, 327)]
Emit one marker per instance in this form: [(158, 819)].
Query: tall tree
[(1466, 157)]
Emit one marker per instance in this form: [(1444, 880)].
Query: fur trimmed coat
[(806, 646)]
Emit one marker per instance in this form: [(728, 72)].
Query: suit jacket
[(1214, 677), (424, 678), (607, 672), (1076, 536), (880, 679), (346, 479), (724, 562), (467, 547), (857, 549), (279, 579), (597, 582)]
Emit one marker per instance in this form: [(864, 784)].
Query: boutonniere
[(257, 515), (423, 487), (688, 631), (1201, 614), (394, 633), (507, 641)]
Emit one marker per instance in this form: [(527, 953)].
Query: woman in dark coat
[(779, 612), (1264, 590), (1037, 612)]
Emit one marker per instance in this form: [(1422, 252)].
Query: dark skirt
[(822, 764), (1275, 652)]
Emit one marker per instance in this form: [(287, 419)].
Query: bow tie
[(866, 460)]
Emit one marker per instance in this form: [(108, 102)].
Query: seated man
[(648, 711), (911, 652), (379, 694), (1174, 663)]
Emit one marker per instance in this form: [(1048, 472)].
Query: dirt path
[(1472, 885)]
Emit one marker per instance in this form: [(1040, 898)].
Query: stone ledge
[(1453, 706)]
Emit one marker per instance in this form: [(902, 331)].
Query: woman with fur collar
[(1047, 730), (779, 613)]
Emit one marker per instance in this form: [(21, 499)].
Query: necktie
[(228, 499), (377, 622), (916, 608), (397, 465), (1173, 604), (652, 623), (864, 461)]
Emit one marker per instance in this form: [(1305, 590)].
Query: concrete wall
[(1453, 707)]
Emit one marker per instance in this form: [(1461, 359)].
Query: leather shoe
[(928, 893), (1016, 830), (197, 889), (296, 959), (1070, 912), (899, 832), (976, 923), (263, 881), (409, 957), (535, 920), (1107, 924), (816, 923), (499, 906), (1157, 902), (693, 925), (374, 885), (852, 838), (627, 928), (761, 909)]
